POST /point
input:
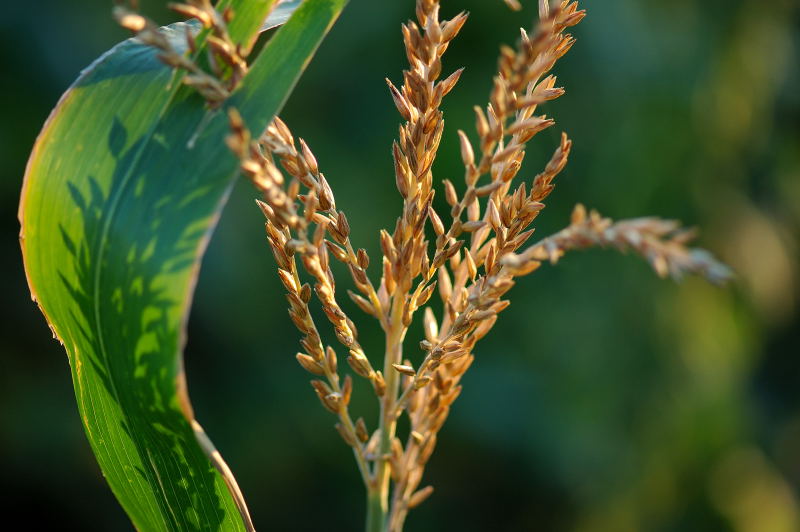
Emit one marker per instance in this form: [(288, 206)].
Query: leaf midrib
[(100, 245)]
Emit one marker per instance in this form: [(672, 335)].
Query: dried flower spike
[(471, 255)]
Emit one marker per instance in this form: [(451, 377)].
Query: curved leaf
[(123, 188)]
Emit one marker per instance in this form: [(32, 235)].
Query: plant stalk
[(376, 511), (378, 492)]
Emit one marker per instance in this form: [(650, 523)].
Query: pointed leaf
[(123, 188)]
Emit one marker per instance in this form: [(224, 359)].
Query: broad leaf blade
[(123, 188)]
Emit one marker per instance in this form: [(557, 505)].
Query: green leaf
[(123, 188)]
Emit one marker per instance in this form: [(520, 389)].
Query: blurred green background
[(604, 400)]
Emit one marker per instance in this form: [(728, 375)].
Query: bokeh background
[(604, 400)]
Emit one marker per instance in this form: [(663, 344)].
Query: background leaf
[(122, 190), (281, 13)]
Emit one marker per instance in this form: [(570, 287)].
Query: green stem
[(378, 496), (376, 511)]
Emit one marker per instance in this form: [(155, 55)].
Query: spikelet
[(227, 59)]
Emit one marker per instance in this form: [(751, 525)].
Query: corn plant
[(132, 169)]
